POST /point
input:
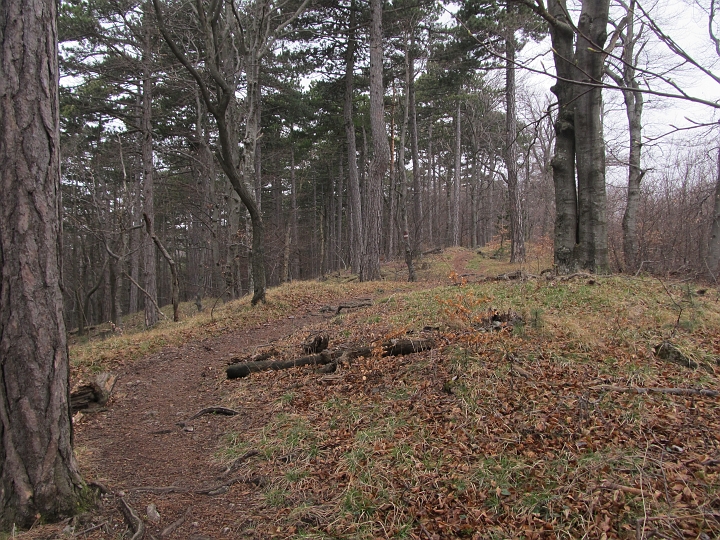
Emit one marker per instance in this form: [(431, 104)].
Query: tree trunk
[(402, 172), (454, 208), (433, 187), (633, 109), (391, 227), (589, 141), (580, 223), (252, 177), (517, 233), (149, 258), (339, 217), (355, 209), (295, 274), (221, 65), (39, 477), (136, 240), (418, 218), (370, 264), (563, 162), (713, 258)]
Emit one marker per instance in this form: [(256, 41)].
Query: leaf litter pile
[(543, 412), (545, 408)]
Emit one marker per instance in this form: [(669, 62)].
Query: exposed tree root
[(136, 524), (210, 410), (175, 525)]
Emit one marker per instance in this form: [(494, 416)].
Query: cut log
[(93, 395), (237, 371), (398, 347)]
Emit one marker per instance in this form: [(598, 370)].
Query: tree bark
[(136, 240), (454, 208), (402, 176), (517, 233), (220, 102), (175, 283), (713, 258), (633, 109), (589, 142), (295, 274), (563, 162), (39, 476), (370, 263), (149, 258), (418, 218)]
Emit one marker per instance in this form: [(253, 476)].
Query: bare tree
[(581, 221), (623, 73), (39, 476), (230, 37)]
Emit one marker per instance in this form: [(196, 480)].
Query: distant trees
[(283, 100)]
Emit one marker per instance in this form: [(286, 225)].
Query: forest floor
[(523, 421)]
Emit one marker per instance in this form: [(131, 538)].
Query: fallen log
[(237, 371), (93, 395), (354, 305), (393, 347)]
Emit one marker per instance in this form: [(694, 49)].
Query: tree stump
[(93, 395)]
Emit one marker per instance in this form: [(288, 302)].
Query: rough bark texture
[(370, 264), (149, 253), (38, 472), (355, 211), (517, 233)]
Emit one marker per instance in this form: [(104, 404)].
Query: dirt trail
[(137, 442), (138, 451)]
